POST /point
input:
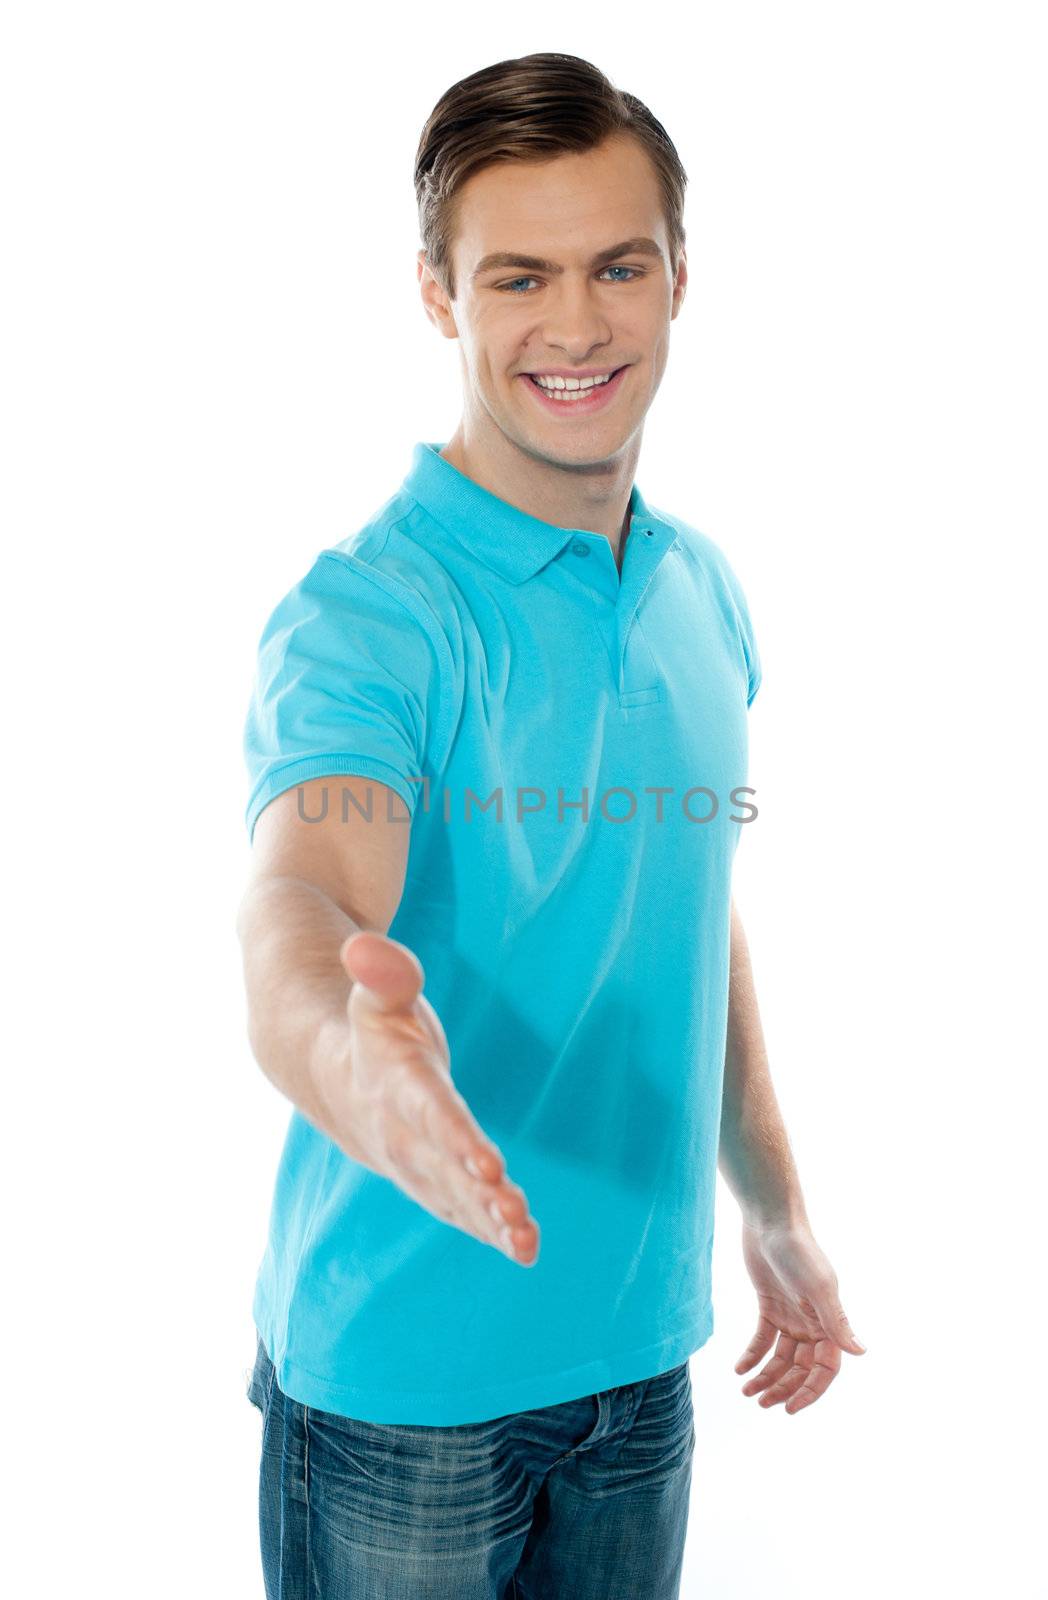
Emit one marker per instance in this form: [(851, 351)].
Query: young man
[(498, 748)]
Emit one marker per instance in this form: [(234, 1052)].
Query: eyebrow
[(511, 258)]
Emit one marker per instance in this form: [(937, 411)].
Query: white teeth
[(568, 389), (569, 383)]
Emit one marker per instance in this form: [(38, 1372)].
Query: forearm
[(297, 989), (755, 1156)]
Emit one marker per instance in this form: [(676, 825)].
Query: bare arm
[(799, 1309), (336, 1015), (755, 1156), (312, 885)]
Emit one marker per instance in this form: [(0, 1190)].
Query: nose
[(574, 322)]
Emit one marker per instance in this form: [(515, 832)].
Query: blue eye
[(507, 288)]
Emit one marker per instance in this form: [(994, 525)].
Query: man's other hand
[(799, 1307)]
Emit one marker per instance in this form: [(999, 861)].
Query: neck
[(594, 497)]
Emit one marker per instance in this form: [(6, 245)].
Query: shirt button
[(580, 548)]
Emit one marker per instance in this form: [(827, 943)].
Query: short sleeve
[(751, 653), (346, 683), (754, 667)]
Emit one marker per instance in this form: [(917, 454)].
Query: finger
[(438, 1125), (792, 1379), (786, 1386), (834, 1323), (504, 1208), (518, 1230), (387, 975), (421, 1170), (816, 1383), (497, 1214), (758, 1346), (483, 1162), (440, 1116), (821, 1366), (432, 1104), (432, 1110), (779, 1363)]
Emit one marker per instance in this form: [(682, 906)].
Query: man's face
[(517, 319)]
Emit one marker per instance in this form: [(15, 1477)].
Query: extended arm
[(337, 1019)]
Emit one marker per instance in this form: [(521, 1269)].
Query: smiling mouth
[(575, 397)]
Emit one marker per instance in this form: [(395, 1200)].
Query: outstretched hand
[(798, 1307), (392, 1089)]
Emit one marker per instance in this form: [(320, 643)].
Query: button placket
[(628, 627)]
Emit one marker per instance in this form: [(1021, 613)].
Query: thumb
[(387, 976), (837, 1326)]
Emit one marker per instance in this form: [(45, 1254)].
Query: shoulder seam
[(423, 614)]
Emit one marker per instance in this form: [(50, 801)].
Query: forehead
[(575, 202)]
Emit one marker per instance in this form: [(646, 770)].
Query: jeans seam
[(310, 1567)]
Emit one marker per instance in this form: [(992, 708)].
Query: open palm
[(799, 1312)]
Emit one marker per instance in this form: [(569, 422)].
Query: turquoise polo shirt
[(566, 744)]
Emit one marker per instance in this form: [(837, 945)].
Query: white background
[(214, 363)]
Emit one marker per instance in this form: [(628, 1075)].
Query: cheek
[(490, 326), (492, 351)]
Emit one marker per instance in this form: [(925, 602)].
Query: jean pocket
[(675, 1381), (668, 1399)]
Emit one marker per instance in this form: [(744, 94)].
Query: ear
[(680, 282), (435, 299)]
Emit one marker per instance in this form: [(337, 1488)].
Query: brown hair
[(531, 108)]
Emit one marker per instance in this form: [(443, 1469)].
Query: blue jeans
[(584, 1500)]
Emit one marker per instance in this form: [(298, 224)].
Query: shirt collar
[(508, 540)]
